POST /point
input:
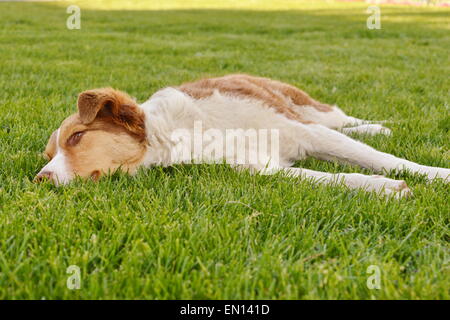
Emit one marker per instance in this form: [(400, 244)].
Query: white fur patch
[(58, 166)]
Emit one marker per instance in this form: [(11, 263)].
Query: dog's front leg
[(380, 184)]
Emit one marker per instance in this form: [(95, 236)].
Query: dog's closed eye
[(75, 138)]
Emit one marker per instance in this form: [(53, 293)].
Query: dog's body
[(192, 122)]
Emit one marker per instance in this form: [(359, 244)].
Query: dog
[(112, 132)]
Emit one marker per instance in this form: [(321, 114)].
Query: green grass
[(207, 231)]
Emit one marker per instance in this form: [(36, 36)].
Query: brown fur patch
[(114, 106), (275, 94), (50, 149)]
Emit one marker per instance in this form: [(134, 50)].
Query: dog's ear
[(101, 102), (113, 105)]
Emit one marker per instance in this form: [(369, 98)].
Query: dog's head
[(107, 134)]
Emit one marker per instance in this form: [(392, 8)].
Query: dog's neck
[(160, 123)]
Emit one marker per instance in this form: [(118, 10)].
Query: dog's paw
[(369, 129), (389, 187), (433, 173)]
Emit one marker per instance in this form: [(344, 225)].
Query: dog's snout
[(43, 175)]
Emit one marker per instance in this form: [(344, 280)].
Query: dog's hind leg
[(327, 115), (370, 129), (336, 119), (298, 101), (290, 100)]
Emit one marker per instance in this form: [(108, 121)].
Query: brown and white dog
[(112, 132)]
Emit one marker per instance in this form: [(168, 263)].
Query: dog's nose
[(43, 175)]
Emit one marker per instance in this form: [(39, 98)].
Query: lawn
[(208, 232)]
